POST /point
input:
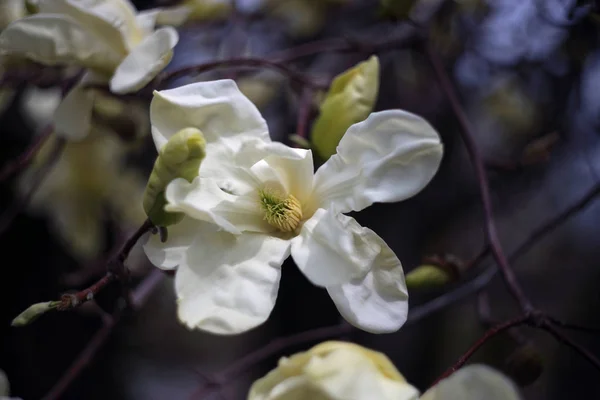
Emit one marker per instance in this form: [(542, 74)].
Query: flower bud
[(180, 157), (33, 312), (350, 99), (428, 276), (525, 365)]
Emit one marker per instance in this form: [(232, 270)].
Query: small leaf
[(350, 99)]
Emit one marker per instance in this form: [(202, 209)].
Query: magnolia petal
[(54, 39), (147, 20), (205, 201), (73, 117), (173, 252), (332, 249), (111, 21), (145, 61), (174, 16), (217, 108), (378, 301), (228, 284), (292, 168), (389, 157), (474, 382)]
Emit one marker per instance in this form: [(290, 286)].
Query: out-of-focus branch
[(20, 202), (17, 165), (139, 296), (116, 270), (468, 137)]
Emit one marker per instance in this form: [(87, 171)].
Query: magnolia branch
[(116, 270)]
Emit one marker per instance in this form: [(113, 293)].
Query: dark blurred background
[(525, 69)]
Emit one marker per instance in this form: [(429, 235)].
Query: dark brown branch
[(561, 337), (468, 136), (272, 348), (239, 63), (574, 327), (17, 165), (85, 357), (20, 202), (488, 335), (116, 268)]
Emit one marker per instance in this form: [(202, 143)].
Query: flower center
[(282, 212)]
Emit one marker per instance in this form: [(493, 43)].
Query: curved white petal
[(474, 382), (111, 21), (54, 39), (203, 200), (145, 61), (170, 254), (332, 249), (228, 284), (378, 301), (147, 20), (217, 108), (388, 157), (73, 117), (292, 168)]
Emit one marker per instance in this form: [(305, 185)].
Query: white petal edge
[(170, 254), (73, 117), (474, 382), (389, 157), (378, 301), (333, 249), (145, 61), (228, 284), (217, 108)]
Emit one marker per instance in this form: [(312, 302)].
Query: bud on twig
[(33, 312)]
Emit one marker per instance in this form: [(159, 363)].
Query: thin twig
[(18, 165), (20, 202), (468, 137), (116, 270), (561, 337), (272, 348), (85, 357), (575, 327), (239, 63), (480, 342)]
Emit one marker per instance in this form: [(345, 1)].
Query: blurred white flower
[(256, 201), (89, 185), (108, 38), (333, 371), (474, 382), (340, 370)]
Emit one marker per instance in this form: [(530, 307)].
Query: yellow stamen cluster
[(282, 212)]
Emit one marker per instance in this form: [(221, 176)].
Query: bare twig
[(20, 202), (85, 357), (18, 165), (561, 337), (480, 342), (239, 63), (468, 137)]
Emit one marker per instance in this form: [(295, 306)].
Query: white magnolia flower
[(256, 201), (339, 370), (108, 38)]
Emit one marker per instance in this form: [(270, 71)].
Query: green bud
[(525, 365), (33, 312), (179, 158), (350, 99), (427, 276)]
